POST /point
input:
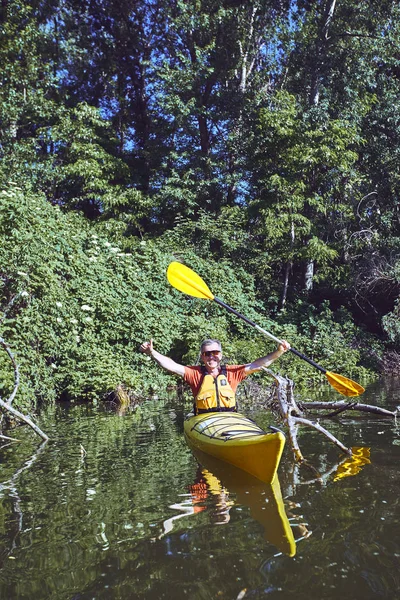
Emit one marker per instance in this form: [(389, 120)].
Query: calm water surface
[(116, 506)]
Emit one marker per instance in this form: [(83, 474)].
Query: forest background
[(258, 142)]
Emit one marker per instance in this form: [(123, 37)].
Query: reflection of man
[(205, 487), (213, 384), (296, 524), (199, 493), (207, 484)]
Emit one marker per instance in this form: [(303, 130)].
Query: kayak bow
[(238, 440)]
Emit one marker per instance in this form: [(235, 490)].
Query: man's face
[(211, 356)]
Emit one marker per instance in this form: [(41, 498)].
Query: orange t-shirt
[(194, 375)]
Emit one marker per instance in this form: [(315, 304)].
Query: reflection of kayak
[(235, 439), (263, 499)]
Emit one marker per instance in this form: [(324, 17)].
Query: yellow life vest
[(215, 394)]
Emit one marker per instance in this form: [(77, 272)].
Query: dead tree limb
[(24, 418), (293, 417), (7, 405), (337, 412), (6, 347), (321, 429), (342, 405)]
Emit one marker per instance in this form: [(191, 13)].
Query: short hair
[(208, 342)]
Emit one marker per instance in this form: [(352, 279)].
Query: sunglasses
[(211, 352)]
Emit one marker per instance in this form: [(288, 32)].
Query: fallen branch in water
[(342, 405), (293, 417), (23, 418)]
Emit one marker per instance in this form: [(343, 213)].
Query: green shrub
[(78, 298)]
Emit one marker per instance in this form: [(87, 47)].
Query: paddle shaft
[(272, 337)]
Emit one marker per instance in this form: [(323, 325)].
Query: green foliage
[(27, 92), (301, 174), (329, 338), (77, 306), (221, 236), (83, 303), (88, 176), (390, 321)]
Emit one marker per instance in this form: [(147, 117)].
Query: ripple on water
[(108, 510)]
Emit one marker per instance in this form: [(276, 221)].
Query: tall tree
[(214, 58), (306, 178), (27, 93)]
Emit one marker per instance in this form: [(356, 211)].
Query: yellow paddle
[(187, 281)]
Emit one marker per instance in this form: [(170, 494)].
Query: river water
[(116, 506)]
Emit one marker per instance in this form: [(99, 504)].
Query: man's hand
[(164, 361), (283, 347), (147, 348)]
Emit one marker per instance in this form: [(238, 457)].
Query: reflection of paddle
[(187, 281), (351, 466), (263, 499)]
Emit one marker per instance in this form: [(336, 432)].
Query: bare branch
[(362, 200), (343, 405), (7, 405), (292, 416), (321, 429), (16, 369), (21, 417), (10, 439), (358, 35)]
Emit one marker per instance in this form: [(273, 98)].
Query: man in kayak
[(213, 384)]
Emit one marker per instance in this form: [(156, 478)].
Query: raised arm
[(265, 361), (164, 361)]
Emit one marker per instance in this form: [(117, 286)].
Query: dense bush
[(76, 305)]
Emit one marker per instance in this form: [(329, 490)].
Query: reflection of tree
[(11, 487), (185, 507), (75, 542), (346, 467), (118, 489), (16, 526), (10, 483), (8, 409)]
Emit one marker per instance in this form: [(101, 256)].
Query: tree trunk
[(321, 46), (288, 269), (320, 53), (309, 275)]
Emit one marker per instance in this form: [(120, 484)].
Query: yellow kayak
[(238, 440)]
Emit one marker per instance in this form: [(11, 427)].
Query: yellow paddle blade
[(187, 281), (344, 386)]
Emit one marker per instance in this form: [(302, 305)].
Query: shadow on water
[(117, 507)]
